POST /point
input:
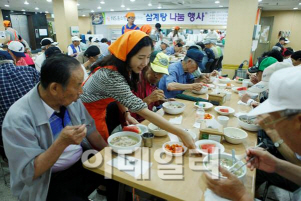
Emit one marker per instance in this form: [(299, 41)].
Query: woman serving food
[(114, 78)]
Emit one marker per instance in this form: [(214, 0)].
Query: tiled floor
[(274, 193)]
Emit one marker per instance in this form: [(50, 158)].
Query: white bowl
[(235, 89), (252, 95), (222, 86), (217, 144), (173, 110), (202, 91), (125, 150), (246, 126), (157, 132), (213, 157), (224, 80), (211, 86), (231, 110), (235, 135), (174, 154), (206, 105)]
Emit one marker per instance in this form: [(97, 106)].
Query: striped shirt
[(106, 83)]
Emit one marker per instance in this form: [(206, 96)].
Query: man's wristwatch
[(278, 143)]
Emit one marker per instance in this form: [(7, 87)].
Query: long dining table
[(191, 185)]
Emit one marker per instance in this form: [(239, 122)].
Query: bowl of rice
[(125, 142)]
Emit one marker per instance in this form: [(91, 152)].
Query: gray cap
[(165, 41), (206, 42), (154, 37)]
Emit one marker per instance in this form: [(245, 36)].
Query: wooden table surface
[(192, 186)]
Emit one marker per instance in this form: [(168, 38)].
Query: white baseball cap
[(165, 41), (189, 43), (263, 85), (284, 92), (75, 38), (16, 48)]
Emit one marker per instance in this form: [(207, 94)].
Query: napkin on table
[(139, 167), (176, 120)]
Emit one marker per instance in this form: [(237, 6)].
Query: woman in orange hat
[(130, 25), (114, 78), (176, 35), (11, 34), (146, 29)]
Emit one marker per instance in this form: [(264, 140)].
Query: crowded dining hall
[(150, 100)]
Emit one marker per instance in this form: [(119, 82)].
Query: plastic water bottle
[(200, 115)]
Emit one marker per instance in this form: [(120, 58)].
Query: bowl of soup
[(173, 107), (225, 161), (124, 142)]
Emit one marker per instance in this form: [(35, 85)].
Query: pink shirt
[(21, 62), (28, 59), (144, 89)]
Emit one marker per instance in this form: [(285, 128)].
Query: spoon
[(234, 170), (233, 156), (131, 160)]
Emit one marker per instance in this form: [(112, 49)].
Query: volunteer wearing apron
[(10, 33), (115, 77), (130, 25)]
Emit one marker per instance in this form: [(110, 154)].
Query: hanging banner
[(175, 17)]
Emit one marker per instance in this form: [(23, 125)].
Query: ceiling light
[(295, 8), (259, 0), (92, 11), (98, 7), (102, 2), (150, 4), (159, 6), (6, 5), (36, 8), (216, 2), (122, 6), (112, 10), (132, 0), (49, 0), (78, 4), (23, 10), (46, 11), (299, 3), (26, 3), (84, 15), (221, 6), (128, 9)]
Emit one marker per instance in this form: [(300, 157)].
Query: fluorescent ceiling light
[(36, 8), (102, 2), (122, 6), (295, 8), (26, 3), (159, 6), (6, 5), (23, 10), (216, 2), (259, 0), (299, 3), (84, 15), (132, 0), (150, 4), (221, 6), (112, 10), (49, 0), (128, 9), (78, 4), (46, 11), (98, 7), (92, 11)]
